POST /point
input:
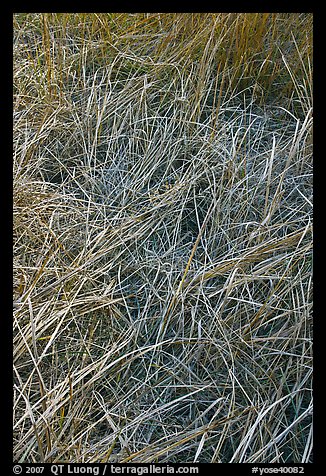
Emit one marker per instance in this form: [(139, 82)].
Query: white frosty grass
[(162, 275)]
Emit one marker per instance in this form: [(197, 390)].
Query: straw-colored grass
[(162, 238)]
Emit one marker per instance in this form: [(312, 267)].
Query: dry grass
[(162, 238)]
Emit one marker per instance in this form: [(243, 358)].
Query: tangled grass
[(162, 238)]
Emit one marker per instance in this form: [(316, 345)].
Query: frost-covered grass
[(162, 238)]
